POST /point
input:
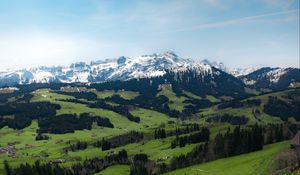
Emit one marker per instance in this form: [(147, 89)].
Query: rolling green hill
[(252, 163), (26, 148)]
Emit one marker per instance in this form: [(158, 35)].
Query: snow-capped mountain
[(265, 78), (122, 68), (237, 72), (143, 66), (125, 68), (272, 78)]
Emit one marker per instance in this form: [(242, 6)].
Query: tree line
[(88, 167), (25, 112), (78, 95), (68, 123), (284, 109), (117, 141), (161, 133), (79, 145), (231, 119), (240, 104), (199, 136)]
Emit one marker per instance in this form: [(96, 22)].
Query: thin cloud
[(232, 22)]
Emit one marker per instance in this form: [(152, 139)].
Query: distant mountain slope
[(272, 78), (198, 78)]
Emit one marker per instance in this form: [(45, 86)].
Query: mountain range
[(146, 66)]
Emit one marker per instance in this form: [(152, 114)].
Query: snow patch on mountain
[(43, 77), (272, 75), (237, 72), (276, 74)]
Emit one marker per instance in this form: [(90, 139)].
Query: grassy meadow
[(247, 164), (29, 150)]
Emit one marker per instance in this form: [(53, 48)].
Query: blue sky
[(240, 33)]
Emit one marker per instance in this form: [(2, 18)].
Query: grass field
[(256, 163), (115, 170), (128, 95), (212, 99), (191, 95), (175, 102), (29, 150)]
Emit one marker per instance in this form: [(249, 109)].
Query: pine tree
[(173, 144), (7, 168)]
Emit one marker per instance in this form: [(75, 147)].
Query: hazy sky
[(240, 33)]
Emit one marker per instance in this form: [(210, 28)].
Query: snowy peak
[(168, 58), (237, 72), (216, 64), (121, 60), (147, 65)]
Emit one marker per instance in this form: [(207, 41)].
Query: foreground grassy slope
[(257, 163)]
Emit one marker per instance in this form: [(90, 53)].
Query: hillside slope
[(257, 162)]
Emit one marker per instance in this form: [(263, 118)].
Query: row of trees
[(284, 109), (25, 112), (141, 165), (278, 132), (240, 104), (200, 136), (78, 95), (161, 133), (88, 167), (107, 144), (188, 128), (79, 145), (68, 123), (234, 120), (117, 141)]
